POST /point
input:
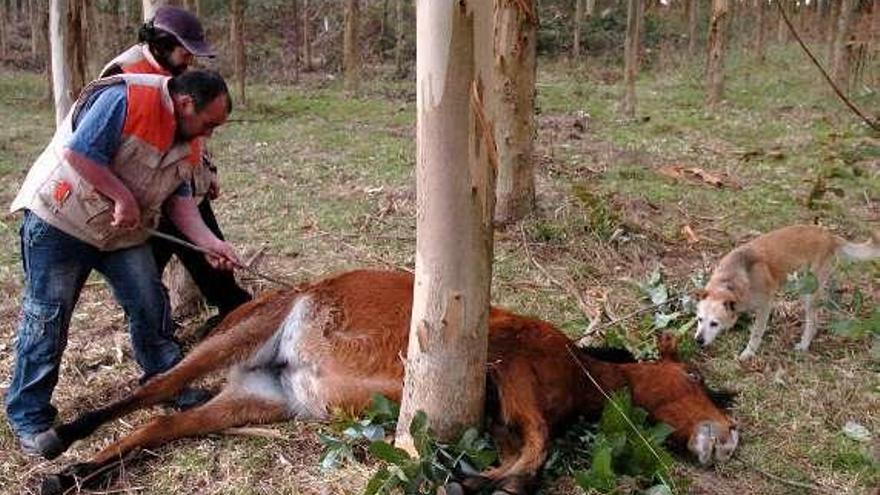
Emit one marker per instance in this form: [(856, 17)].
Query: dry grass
[(323, 183)]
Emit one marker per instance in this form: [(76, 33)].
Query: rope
[(252, 271)]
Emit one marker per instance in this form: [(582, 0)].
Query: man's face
[(179, 60), (192, 124)]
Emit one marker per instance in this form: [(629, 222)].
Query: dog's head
[(716, 312)]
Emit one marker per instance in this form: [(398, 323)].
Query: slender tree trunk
[(875, 23), (591, 8), (693, 15), (68, 54), (4, 29), (831, 29), (351, 47), (236, 38), (840, 61), (306, 37), (631, 58), (716, 52), (578, 25), (761, 34), (399, 45), (446, 355), (781, 28), (513, 107), (150, 7), (291, 40)]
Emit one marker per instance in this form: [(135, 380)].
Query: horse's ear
[(667, 344), (700, 294)]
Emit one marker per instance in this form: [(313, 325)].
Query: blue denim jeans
[(56, 266)]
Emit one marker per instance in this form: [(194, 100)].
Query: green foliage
[(626, 444), (401, 472), (671, 311)]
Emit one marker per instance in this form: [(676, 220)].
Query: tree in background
[(150, 6), (631, 46), (445, 363), (292, 44), (306, 37), (839, 54), (691, 11), (351, 46), (578, 25), (236, 40), (513, 106), (400, 67), (761, 31), (4, 28), (68, 53), (717, 46)]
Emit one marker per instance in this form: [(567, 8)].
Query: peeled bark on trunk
[(513, 107), (446, 356), (839, 60), (236, 38), (68, 54), (716, 52), (351, 49), (578, 24), (631, 58)]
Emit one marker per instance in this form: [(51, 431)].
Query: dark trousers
[(218, 286)]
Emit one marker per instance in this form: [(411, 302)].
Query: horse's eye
[(713, 324), (694, 377)]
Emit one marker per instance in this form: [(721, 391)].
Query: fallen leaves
[(680, 172)]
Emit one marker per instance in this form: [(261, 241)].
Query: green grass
[(320, 181)]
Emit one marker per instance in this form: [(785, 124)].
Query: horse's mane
[(610, 354)]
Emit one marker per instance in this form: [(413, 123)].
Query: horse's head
[(676, 395)]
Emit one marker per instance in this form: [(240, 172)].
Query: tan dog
[(749, 276)]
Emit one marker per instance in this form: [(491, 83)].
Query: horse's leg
[(232, 407), (238, 336), (520, 408)]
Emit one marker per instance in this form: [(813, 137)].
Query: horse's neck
[(607, 375)]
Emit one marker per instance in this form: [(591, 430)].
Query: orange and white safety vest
[(149, 162)]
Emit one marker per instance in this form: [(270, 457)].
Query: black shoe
[(46, 444), (191, 397)]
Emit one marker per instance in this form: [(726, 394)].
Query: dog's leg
[(762, 314), (810, 317)]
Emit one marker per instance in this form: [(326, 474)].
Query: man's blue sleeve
[(97, 130)]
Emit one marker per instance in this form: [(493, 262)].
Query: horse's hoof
[(56, 484)]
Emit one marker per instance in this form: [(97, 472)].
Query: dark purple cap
[(185, 27)]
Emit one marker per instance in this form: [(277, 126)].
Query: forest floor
[(321, 182)]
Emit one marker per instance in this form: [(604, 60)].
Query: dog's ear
[(730, 305), (701, 294)]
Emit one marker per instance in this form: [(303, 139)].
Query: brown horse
[(334, 343)]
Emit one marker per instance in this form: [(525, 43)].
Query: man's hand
[(213, 187), (224, 256), (126, 214)]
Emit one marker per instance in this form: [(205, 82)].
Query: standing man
[(125, 152), (166, 45)]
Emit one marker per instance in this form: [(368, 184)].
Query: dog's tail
[(862, 251)]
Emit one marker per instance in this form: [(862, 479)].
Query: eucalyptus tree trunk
[(4, 28), (781, 27), (68, 53), (875, 25), (631, 57), (351, 49), (578, 25), (512, 108), (400, 23), (716, 52), (446, 355), (840, 59), (831, 29), (761, 31), (290, 54), (236, 40), (692, 16), (150, 7), (306, 37)]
